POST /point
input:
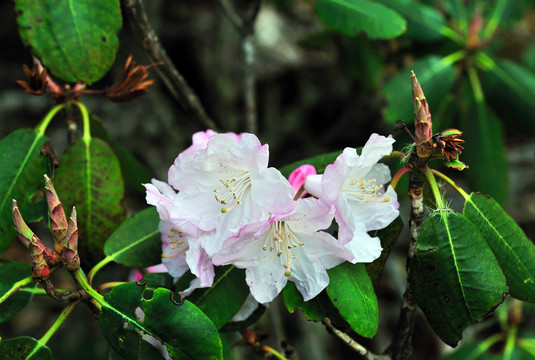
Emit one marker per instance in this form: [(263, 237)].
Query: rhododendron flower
[(353, 184), (298, 176), (227, 185), (286, 247), (180, 239), (200, 140)]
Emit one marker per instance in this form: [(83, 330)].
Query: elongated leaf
[(455, 278), (24, 348), (315, 309), (484, 152), (513, 250), (424, 22), (353, 16), (388, 237), (22, 170), (76, 40), (134, 173), (436, 77), (351, 292), (11, 273), (224, 298), (510, 90), (137, 242), (183, 328), (90, 178)]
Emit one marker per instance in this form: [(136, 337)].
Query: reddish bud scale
[(58, 219), (422, 120), (70, 257), (39, 264)]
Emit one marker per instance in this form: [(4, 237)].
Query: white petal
[(375, 148), (310, 216), (265, 277), (200, 263), (272, 192), (365, 248), (309, 275)]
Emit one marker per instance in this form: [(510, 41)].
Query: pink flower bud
[(298, 176)]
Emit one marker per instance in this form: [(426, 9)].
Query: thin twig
[(245, 26), (174, 81), (401, 346), (359, 349)]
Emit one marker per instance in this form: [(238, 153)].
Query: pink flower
[(200, 140), (298, 176), (354, 185), (288, 246)]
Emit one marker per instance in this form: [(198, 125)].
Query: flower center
[(282, 240), (176, 241), (365, 190), (232, 190)]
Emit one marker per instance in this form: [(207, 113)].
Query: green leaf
[(90, 178), (11, 273), (510, 90), (224, 298), (351, 292), (320, 162), (76, 40), (183, 328), (238, 325), (435, 75), (513, 250), (353, 16), (24, 348), (455, 278), (22, 172), (315, 309), (484, 152), (134, 173), (388, 237), (137, 241), (424, 22)]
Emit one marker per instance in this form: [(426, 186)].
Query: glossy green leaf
[(224, 298), (353, 16), (510, 89), (351, 292), (182, 327), (134, 173), (22, 172), (11, 273), (435, 75), (156, 280), (137, 241), (424, 22), (484, 152), (24, 348), (513, 250), (455, 278), (388, 237), (315, 309), (320, 162), (90, 178), (76, 40)]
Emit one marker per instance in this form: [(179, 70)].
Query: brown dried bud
[(58, 219), (131, 84), (422, 120), (39, 83), (449, 142), (71, 260)]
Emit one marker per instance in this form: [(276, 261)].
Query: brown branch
[(401, 346), (245, 26), (174, 81), (359, 349)]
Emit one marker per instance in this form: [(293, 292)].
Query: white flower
[(226, 185), (286, 247), (354, 185)]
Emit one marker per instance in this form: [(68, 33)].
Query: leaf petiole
[(434, 187), (85, 119), (41, 127), (16, 286), (452, 183)]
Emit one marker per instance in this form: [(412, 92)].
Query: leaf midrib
[(115, 255)]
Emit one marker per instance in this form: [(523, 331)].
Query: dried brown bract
[(131, 84)]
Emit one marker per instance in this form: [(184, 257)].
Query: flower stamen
[(232, 190), (283, 243), (175, 243), (365, 190)]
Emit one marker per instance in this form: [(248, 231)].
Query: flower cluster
[(224, 205)]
